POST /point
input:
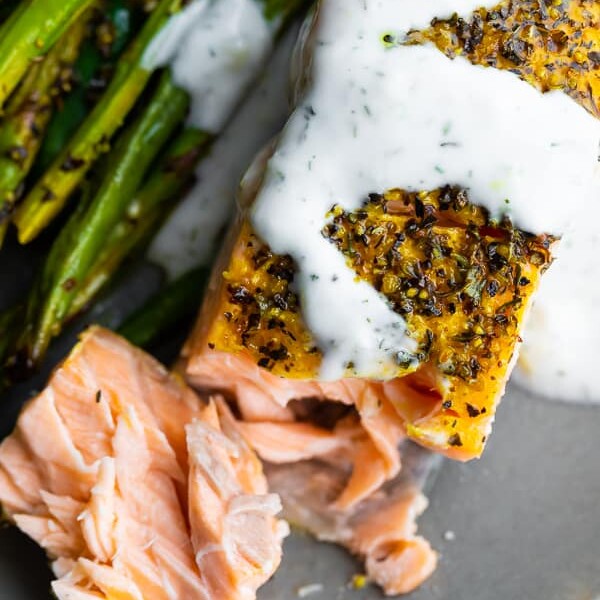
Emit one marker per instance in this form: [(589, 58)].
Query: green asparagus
[(90, 69), (47, 198), (28, 112), (29, 33), (78, 247), (116, 212), (145, 212), (172, 305)]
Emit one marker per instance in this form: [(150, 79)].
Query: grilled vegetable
[(47, 198), (106, 227), (91, 73), (28, 112), (29, 33), (144, 213), (80, 244)]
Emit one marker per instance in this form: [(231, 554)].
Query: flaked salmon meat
[(135, 487), (381, 529), (351, 479)]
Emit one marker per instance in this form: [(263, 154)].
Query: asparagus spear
[(172, 305), (89, 70), (144, 212), (28, 113), (47, 198), (80, 244), (60, 294), (29, 32)]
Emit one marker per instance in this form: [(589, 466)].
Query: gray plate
[(525, 518)]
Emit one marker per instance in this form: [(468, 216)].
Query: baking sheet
[(523, 523)]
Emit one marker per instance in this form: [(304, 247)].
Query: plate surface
[(525, 519)]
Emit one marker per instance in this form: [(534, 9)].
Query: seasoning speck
[(309, 590), (359, 581)]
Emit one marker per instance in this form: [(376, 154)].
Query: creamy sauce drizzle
[(374, 118), (215, 49), (560, 350), (559, 358), (189, 236)]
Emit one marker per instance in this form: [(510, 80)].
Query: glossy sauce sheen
[(214, 49), (375, 117)]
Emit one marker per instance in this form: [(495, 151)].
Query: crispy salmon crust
[(552, 46), (135, 487)]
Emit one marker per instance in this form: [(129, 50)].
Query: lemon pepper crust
[(458, 278), (261, 312), (461, 280), (551, 44)]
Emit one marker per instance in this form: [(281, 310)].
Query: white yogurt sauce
[(559, 355), (189, 236), (374, 118), (559, 358), (215, 49)]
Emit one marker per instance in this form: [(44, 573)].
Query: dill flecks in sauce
[(377, 115), (458, 278)]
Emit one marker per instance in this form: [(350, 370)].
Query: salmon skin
[(135, 487)]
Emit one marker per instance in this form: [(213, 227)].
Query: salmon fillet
[(462, 281), (135, 487), (250, 340)]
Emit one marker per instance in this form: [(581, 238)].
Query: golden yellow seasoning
[(551, 47)]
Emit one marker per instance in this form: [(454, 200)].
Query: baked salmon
[(460, 277), (135, 487), (251, 343)]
